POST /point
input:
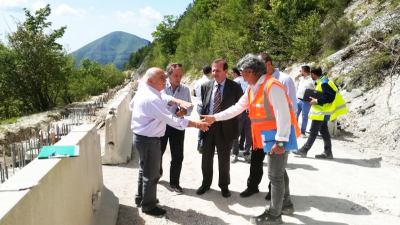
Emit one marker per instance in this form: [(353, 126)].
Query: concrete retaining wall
[(118, 134), (57, 191)]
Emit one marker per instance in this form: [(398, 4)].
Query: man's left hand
[(277, 150)]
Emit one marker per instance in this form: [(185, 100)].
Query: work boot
[(288, 209), (266, 219)]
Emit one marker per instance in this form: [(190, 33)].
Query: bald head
[(155, 77)]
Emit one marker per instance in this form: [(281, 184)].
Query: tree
[(39, 75), (167, 35), (136, 58)]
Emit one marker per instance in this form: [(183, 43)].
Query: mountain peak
[(114, 48)]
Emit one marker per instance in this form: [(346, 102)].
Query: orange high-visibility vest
[(262, 114)]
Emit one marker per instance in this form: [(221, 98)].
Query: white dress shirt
[(305, 82), (243, 84), (197, 85), (277, 98), (150, 114)]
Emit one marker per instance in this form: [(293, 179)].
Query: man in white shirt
[(203, 79), (305, 82), (149, 118), (197, 94)]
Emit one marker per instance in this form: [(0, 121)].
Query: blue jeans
[(303, 106)]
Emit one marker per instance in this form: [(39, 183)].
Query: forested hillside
[(356, 42), (113, 48), (36, 74), (290, 30)]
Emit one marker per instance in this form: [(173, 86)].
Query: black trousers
[(176, 140), (319, 126), (214, 138), (257, 170)]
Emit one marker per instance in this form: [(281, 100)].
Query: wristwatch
[(279, 143)]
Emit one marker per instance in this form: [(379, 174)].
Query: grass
[(8, 120)]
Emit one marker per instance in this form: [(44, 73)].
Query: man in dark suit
[(217, 95)]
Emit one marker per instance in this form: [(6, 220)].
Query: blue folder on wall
[(58, 151), (268, 138)]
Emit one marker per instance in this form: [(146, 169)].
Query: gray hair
[(151, 72), (252, 62)]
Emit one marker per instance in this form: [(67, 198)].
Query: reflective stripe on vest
[(263, 118), (333, 109)]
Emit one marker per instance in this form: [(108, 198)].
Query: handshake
[(205, 122), (202, 124)]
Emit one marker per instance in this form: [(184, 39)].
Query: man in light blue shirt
[(149, 119), (175, 136)]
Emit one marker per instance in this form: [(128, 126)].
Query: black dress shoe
[(176, 188), (138, 201), (268, 196), (225, 193), (301, 152), (248, 192), (156, 211), (324, 156), (202, 189)]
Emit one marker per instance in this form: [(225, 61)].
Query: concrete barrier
[(59, 191), (118, 134)]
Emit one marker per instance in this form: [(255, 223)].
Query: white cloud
[(38, 5), (66, 10), (150, 13), (146, 17), (11, 3)]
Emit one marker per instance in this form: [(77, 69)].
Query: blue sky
[(87, 20)]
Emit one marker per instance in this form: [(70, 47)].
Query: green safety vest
[(333, 109)]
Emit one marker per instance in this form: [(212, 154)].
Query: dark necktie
[(217, 100)]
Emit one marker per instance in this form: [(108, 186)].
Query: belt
[(145, 137)]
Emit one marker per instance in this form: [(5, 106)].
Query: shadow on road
[(128, 215), (309, 221), (370, 163), (328, 204), (293, 166), (190, 217), (222, 203)]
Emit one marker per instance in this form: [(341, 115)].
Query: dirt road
[(354, 188)]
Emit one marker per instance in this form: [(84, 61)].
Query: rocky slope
[(368, 71)]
